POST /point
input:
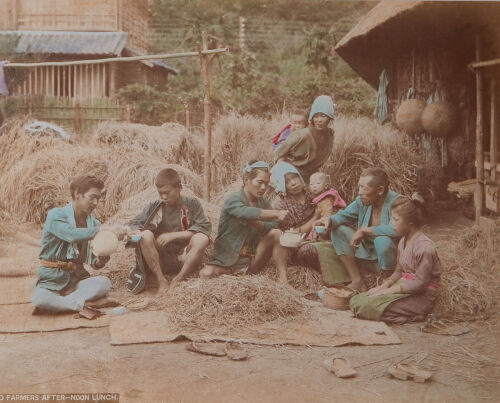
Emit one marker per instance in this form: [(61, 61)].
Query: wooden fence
[(75, 116)]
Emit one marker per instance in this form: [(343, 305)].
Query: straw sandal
[(409, 371), (236, 352), (88, 313), (103, 302), (215, 349), (340, 367)]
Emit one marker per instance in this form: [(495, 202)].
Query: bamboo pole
[(119, 59), (112, 80), (487, 63), (479, 193), (205, 71), (493, 132)]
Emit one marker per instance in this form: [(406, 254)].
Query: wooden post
[(186, 111), (128, 113), (479, 193), (112, 80), (77, 123), (493, 132), (205, 71)]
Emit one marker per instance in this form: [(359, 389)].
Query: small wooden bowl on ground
[(337, 297)]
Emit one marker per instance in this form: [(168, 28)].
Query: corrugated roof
[(133, 52), (68, 42)]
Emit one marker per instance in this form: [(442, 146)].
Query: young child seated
[(298, 121), (326, 199)]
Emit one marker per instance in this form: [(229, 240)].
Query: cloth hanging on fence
[(427, 145), (4, 90), (441, 142), (381, 105), (443, 150)]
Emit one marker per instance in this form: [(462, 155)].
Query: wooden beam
[(119, 59), (493, 132), (205, 71), (486, 63), (479, 192)]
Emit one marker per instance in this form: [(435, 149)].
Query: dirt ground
[(466, 368)]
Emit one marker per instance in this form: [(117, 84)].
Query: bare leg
[(196, 249), (152, 258), (270, 245), (357, 282), (211, 271)]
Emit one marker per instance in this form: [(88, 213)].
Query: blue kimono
[(381, 248), (60, 238)]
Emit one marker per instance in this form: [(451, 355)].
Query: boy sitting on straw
[(63, 284), (167, 226)]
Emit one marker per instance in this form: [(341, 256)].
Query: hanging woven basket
[(439, 118), (409, 115)]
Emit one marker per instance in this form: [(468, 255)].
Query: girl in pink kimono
[(409, 294)]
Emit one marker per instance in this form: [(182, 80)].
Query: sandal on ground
[(103, 302), (409, 371), (340, 367), (236, 352), (88, 313), (202, 347)]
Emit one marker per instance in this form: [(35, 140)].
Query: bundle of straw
[(230, 302), (361, 143), (171, 143), (38, 183), (16, 143), (239, 139), (469, 262)]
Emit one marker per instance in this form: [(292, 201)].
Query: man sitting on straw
[(63, 283), (371, 245), (169, 225)]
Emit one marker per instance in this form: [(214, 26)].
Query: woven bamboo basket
[(409, 115), (438, 119), (337, 297)]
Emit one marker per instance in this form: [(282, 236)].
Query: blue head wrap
[(259, 164), (322, 104), (278, 173)]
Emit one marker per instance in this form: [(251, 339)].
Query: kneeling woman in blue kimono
[(248, 234), (409, 294)]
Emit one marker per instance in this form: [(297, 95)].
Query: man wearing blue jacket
[(362, 234)]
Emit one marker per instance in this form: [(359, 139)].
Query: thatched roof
[(392, 27)]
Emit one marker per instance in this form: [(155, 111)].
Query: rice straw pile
[(361, 143), (41, 181), (230, 302), (171, 143), (16, 143), (470, 262)]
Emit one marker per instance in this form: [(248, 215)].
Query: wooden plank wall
[(7, 16), (67, 15), (135, 19), (83, 82)]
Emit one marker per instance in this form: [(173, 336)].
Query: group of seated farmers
[(379, 231)]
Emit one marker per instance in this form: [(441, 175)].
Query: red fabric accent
[(338, 201), (184, 218), (409, 277), (277, 137)]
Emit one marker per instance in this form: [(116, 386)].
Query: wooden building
[(68, 30), (440, 45)]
